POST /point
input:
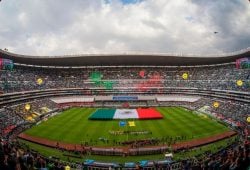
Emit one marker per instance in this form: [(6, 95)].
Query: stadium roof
[(131, 59)]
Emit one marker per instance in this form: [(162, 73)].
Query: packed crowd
[(233, 110), (9, 120), (219, 77), (16, 156), (37, 107), (227, 109), (12, 117), (234, 157)]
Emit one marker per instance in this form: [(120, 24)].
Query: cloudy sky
[(59, 27)]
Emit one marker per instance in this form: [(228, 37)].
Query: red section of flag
[(149, 113)]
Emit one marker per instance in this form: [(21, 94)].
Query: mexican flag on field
[(123, 114)]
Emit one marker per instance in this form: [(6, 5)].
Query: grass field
[(73, 126)]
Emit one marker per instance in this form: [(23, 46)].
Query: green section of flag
[(103, 114)]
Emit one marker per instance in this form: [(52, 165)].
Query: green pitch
[(73, 126)]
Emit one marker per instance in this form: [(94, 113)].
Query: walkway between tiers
[(125, 149)]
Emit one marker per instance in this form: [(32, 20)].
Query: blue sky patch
[(125, 2), (130, 1)]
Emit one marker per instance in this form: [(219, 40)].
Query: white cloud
[(61, 27)]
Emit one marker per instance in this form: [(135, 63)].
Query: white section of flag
[(126, 114)]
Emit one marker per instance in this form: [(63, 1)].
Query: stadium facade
[(129, 59)]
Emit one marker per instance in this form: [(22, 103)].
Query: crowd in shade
[(15, 156), (35, 108), (220, 77)]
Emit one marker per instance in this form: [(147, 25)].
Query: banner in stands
[(6, 64), (1, 63), (243, 63), (125, 98)]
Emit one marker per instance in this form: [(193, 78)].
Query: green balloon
[(96, 76), (108, 84)]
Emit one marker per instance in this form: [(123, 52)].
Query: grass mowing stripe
[(169, 127), (181, 127), (178, 115), (190, 127), (206, 124), (53, 125), (64, 132)]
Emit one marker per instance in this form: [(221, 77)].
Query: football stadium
[(124, 85), (162, 112)]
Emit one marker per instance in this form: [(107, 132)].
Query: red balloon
[(142, 73)]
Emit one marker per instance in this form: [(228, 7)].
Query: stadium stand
[(63, 86), (219, 78)]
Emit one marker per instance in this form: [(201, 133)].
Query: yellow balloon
[(185, 76), (216, 104), (39, 81), (248, 119), (239, 82), (67, 167), (27, 106)]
